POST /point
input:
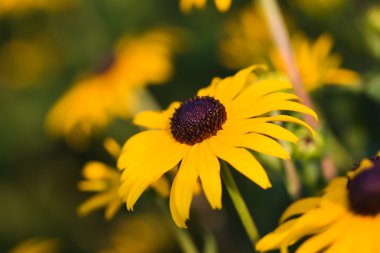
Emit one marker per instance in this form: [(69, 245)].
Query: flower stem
[(239, 204), (281, 39)]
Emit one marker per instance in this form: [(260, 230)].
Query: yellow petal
[(299, 207), (98, 170), (151, 160), (93, 185), (220, 89), (281, 106), (258, 89), (254, 141), (178, 219), (366, 235), (238, 81), (156, 119), (273, 240), (211, 89), (112, 208), (347, 239), (139, 144), (95, 202), (241, 160), (154, 171), (151, 119), (209, 173), (183, 186), (113, 148), (269, 103), (311, 222), (187, 5), (342, 77), (286, 118), (161, 186), (324, 239)]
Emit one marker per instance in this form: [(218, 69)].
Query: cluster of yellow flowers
[(233, 120)]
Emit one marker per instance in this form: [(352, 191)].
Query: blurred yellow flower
[(17, 6), (346, 218), (316, 64), (247, 39), (222, 121), (92, 103), (143, 233), (105, 181), (37, 245), (187, 5)]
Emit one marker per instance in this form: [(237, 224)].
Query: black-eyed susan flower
[(92, 103), (243, 45), (345, 218), (105, 181), (316, 64), (221, 121), (187, 5)]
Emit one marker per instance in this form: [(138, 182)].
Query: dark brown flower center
[(364, 190), (197, 119)]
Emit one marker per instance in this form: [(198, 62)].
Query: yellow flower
[(247, 39), (37, 245), (316, 64), (220, 122), (105, 180), (92, 103), (187, 5), (346, 218)]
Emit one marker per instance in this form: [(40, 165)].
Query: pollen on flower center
[(364, 190), (197, 119)]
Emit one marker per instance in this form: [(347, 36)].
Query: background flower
[(115, 91), (105, 182)]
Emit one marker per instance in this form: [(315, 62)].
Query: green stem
[(281, 40), (239, 204)]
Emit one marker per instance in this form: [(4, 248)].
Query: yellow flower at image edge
[(187, 5), (220, 122), (346, 218)]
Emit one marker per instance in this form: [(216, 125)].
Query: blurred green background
[(43, 49)]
